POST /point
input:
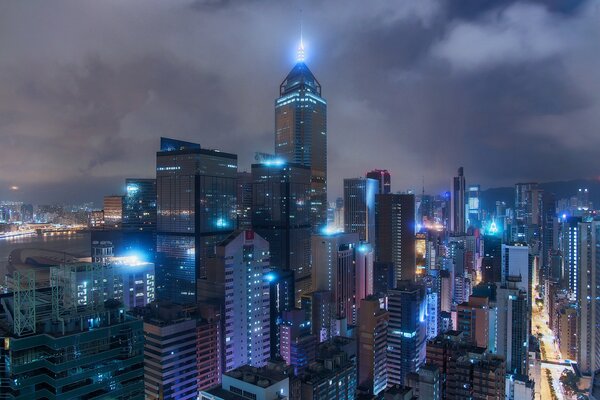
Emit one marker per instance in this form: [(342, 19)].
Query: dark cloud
[(509, 89)]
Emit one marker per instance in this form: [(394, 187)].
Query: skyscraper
[(359, 207), (407, 333), (513, 326), (301, 132), (238, 280), (395, 233), (372, 345), (196, 209), (281, 215), (382, 176), (139, 209), (334, 270), (113, 212), (588, 297), (457, 204)]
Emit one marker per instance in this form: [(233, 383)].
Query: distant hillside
[(561, 190)]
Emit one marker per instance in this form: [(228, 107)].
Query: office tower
[(238, 279), (27, 213), (281, 298), (182, 351), (363, 272), (395, 233), (133, 281), (95, 345), (473, 320), (491, 264), (382, 176), (281, 215), (548, 231), (473, 206), (359, 207), (513, 326), (246, 382), (588, 297), (319, 309), (457, 204), (244, 200), (297, 344), (516, 263), (446, 290), (421, 254), (96, 220), (338, 218), (384, 277), (331, 377), (406, 330), (196, 202), (139, 210), (466, 371), (527, 214), (334, 270), (301, 133), (372, 346), (432, 316), (113, 212)]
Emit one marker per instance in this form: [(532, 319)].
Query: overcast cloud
[(508, 89)]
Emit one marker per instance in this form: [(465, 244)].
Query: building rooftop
[(263, 377)]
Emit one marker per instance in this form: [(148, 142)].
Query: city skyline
[(103, 106)]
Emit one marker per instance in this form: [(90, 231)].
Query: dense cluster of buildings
[(210, 283)]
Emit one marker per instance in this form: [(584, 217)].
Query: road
[(550, 352)]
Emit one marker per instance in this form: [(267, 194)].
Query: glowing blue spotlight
[(276, 162), (222, 223), (270, 277)]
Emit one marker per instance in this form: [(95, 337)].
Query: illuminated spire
[(300, 53)]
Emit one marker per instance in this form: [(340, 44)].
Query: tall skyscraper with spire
[(301, 131)]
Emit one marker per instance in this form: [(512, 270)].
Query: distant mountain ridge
[(561, 190)]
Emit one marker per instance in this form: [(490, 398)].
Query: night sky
[(508, 89)]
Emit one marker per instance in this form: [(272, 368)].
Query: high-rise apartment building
[(395, 233), (297, 344), (372, 345), (588, 296), (457, 204), (359, 207), (196, 209), (238, 279), (301, 133), (182, 351), (281, 214), (335, 269), (473, 320), (281, 299), (383, 177)]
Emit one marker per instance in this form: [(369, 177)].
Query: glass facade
[(301, 133), (281, 214), (139, 211), (196, 209)]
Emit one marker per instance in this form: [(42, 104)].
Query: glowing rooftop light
[(300, 54), (329, 230), (276, 162), (270, 277), (493, 227)]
